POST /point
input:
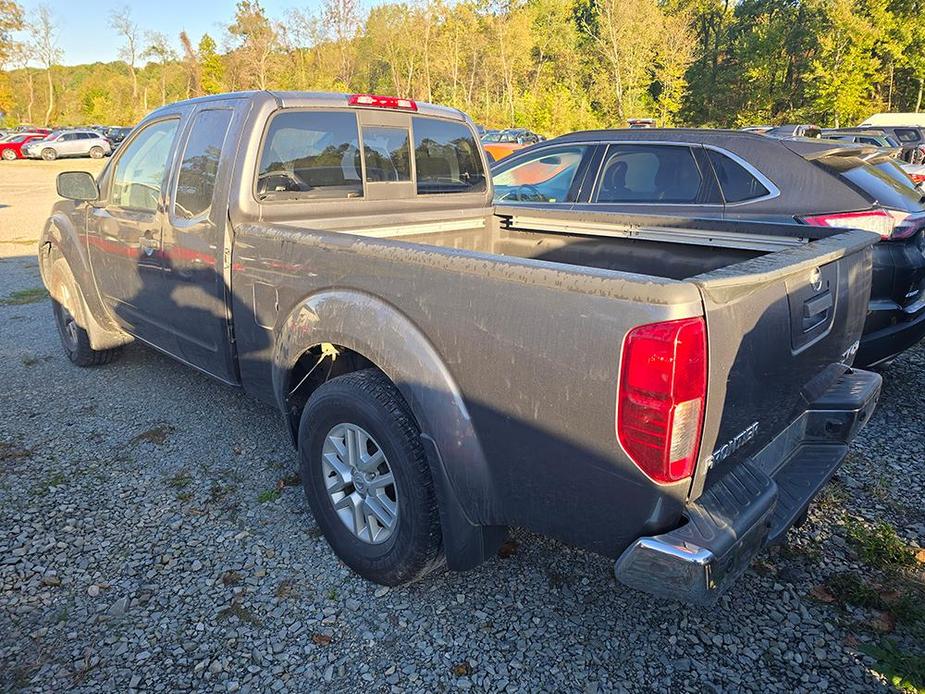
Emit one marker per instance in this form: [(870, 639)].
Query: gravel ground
[(152, 538)]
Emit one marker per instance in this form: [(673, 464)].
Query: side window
[(547, 176), (310, 155), (649, 173), (387, 154), (868, 141), (199, 167), (737, 184), (139, 173), (907, 135), (446, 157)]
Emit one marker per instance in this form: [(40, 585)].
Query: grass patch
[(879, 546), (905, 671), (29, 360), (179, 480), (184, 496), (268, 495), (25, 296), (852, 589), (55, 479)]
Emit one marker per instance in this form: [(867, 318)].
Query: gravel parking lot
[(153, 537)]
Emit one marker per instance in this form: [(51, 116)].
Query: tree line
[(549, 65)]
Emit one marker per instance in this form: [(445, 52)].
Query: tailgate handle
[(815, 309)]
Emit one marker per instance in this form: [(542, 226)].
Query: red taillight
[(884, 222), (660, 401), (917, 177), (382, 102)]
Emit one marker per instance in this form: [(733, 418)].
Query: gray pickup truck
[(672, 398)]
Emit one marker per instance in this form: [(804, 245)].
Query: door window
[(737, 184), (139, 173), (546, 176), (196, 179), (649, 173)]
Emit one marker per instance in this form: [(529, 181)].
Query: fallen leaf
[(920, 556), (882, 622), (462, 669), (321, 639), (508, 549), (822, 593)]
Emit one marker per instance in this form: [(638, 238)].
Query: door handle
[(148, 243)]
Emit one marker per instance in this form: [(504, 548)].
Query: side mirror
[(77, 185)]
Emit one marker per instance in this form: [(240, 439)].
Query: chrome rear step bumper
[(754, 504)]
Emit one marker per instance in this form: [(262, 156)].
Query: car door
[(196, 280), (664, 179), (124, 231), (65, 144)]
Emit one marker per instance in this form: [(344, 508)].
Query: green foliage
[(551, 65), (905, 671), (879, 546)]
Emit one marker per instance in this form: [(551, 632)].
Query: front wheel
[(68, 312), (48, 154), (9, 155), (96, 152), (367, 479)]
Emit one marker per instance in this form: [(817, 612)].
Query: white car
[(69, 143)]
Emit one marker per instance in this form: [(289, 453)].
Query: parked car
[(911, 138), (795, 130), (736, 175), (758, 129), (641, 122), (909, 149), (69, 143), (501, 143), (116, 136), (413, 337), (916, 172), (11, 145)]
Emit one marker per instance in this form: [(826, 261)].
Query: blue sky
[(86, 37)]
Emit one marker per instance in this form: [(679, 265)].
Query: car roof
[(685, 135)]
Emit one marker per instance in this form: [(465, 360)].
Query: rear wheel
[(367, 479), (48, 154), (68, 312), (8, 154), (96, 152)]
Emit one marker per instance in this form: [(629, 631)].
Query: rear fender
[(381, 333)]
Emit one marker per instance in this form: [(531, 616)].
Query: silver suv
[(69, 143)]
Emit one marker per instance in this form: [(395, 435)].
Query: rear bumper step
[(755, 503)]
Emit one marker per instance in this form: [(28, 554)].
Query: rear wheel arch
[(367, 333)]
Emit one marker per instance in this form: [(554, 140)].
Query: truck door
[(195, 273), (124, 230)]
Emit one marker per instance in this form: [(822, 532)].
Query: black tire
[(48, 154), (68, 311), (369, 400)]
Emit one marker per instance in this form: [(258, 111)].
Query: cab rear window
[(446, 157)]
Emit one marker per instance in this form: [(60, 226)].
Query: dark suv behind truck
[(735, 175), (447, 368)]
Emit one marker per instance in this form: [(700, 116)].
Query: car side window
[(309, 155), (141, 168), (737, 184), (546, 176), (661, 174), (199, 167)]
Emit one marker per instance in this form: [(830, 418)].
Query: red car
[(11, 145)]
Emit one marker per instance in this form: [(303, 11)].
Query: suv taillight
[(660, 400), (887, 223)]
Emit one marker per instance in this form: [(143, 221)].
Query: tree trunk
[(51, 98), (918, 101), (31, 103)]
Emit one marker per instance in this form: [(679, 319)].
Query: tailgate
[(780, 330)]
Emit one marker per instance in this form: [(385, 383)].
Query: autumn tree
[(211, 65), (131, 47), (160, 50), (43, 33), (257, 40)]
